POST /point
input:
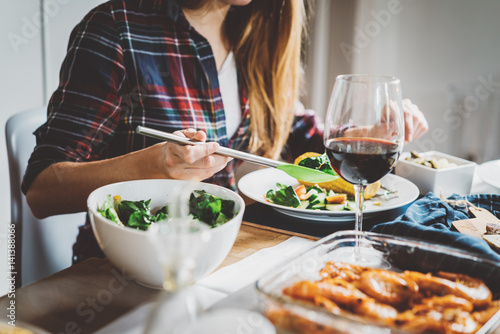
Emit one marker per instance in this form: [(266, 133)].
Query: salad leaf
[(126, 208), (140, 220), (321, 162), (210, 209), (227, 208), (135, 214), (161, 214), (109, 212), (205, 207), (283, 195)]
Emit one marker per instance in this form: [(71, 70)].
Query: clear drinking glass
[(178, 242), (364, 135)]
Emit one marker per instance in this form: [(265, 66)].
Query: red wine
[(362, 160)]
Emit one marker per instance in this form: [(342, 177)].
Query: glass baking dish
[(397, 252)]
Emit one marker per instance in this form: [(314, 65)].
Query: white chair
[(43, 247)]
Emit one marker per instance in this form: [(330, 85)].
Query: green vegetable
[(140, 220), (108, 211), (320, 162), (161, 214), (126, 208), (205, 207), (316, 199), (283, 195), (210, 209)]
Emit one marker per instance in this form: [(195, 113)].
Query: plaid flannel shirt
[(139, 62)]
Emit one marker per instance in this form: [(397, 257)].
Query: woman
[(228, 68)]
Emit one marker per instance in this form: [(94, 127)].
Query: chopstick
[(222, 150)]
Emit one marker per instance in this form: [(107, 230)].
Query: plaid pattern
[(139, 62)]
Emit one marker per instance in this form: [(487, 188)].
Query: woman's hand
[(415, 122), (192, 162)]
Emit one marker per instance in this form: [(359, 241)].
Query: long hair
[(266, 37)]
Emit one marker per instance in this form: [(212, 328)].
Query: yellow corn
[(339, 185)]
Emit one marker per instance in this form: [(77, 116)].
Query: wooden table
[(87, 296)]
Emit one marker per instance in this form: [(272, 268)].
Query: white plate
[(489, 172), (256, 184)]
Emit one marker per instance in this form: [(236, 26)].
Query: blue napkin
[(429, 219)]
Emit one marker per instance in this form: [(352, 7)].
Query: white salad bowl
[(132, 251)]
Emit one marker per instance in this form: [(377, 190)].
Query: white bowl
[(449, 180), (131, 250)]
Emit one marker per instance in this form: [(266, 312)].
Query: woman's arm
[(63, 187)]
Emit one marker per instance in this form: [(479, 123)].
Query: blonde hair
[(267, 49), (266, 36)]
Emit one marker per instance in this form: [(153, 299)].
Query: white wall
[(431, 45), (21, 76), (27, 75)]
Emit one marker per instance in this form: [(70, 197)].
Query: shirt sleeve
[(306, 134), (84, 111)]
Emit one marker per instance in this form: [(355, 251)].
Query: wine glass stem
[(173, 308), (359, 196)]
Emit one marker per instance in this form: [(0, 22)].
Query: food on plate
[(210, 209), (320, 161), (417, 302), (431, 163), (313, 197)]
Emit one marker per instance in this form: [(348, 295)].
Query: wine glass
[(364, 136), (178, 241)]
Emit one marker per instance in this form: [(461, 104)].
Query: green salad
[(319, 162), (210, 209), (312, 198)]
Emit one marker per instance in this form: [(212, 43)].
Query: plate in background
[(256, 184), (489, 172)]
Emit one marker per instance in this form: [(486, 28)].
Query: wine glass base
[(361, 256)]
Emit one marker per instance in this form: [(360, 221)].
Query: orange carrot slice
[(301, 192)]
